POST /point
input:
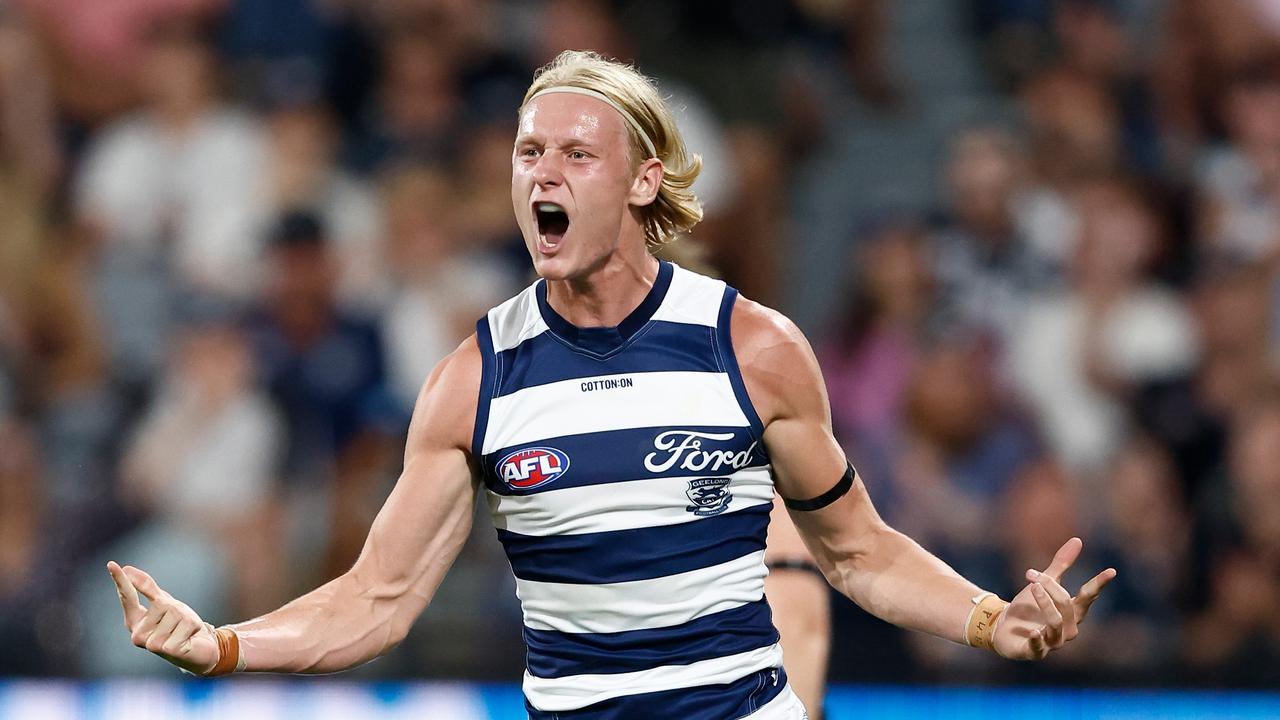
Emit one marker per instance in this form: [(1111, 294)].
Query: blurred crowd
[(236, 235)]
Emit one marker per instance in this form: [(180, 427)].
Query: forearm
[(338, 625), (898, 581)]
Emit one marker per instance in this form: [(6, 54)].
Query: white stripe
[(692, 298), (516, 320), (578, 691), (657, 399), (618, 506), (642, 604), (786, 706)]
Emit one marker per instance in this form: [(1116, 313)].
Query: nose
[(547, 172)]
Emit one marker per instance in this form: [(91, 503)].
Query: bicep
[(808, 463), (785, 385)]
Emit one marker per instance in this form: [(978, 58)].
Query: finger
[(1090, 591), (1037, 645), (1052, 630), (163, 630), (1051, 586), (148, 624), (1052, 616), (179, 642), (1062, 600), (1064, 558), (144, 583), (129, 602)]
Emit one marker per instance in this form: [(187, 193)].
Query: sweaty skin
[(572, 150)]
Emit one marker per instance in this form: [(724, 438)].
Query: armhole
[(729, 359), (488, 371)]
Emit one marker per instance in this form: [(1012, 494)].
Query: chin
[(553, 268)]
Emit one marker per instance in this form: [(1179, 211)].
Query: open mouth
[(553, 222)]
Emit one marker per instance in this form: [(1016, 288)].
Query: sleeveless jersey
[(631, 491)]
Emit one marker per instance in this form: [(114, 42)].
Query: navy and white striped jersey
[(626, 475)]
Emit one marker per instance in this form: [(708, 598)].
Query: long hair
[(676, 209)]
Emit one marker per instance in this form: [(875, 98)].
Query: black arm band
[(798, 565), (825, 498)]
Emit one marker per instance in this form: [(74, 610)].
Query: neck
[(607, 295)]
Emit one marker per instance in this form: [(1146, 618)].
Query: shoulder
[(445, 412), (777, 363), (513, 321), (764, 335)]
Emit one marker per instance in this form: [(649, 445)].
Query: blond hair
[(676, 209)]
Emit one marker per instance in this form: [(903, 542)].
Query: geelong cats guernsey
[(630, 488)]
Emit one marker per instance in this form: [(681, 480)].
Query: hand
[(168, 627), (1044, 617)]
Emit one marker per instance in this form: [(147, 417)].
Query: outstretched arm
[(882, 570), (369, 609)]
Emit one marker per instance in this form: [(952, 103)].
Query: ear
[(648, 179)]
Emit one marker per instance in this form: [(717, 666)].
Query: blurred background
[(1035, 243)]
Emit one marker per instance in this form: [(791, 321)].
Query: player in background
[(800, 598), (600, 175)]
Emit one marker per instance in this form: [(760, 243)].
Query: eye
[(578, 155), (529, 152)]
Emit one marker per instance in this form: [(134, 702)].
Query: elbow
[(382, 616), (846, 565), (397, 632)]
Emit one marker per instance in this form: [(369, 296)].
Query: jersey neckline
[(606, 340)]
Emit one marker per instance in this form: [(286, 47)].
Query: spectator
[(1094, 43), (442, 286), (303, 139), (325, 368), (22, 517), (987, 266), (207, 454), (97, 51), (1238, 636), (1207, 43), (1080, 351), (1239, 183), (964, 450), (1075, 139), (181, 180), (200, 471), (870, 363), (1148, 534)]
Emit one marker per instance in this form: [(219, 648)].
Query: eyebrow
[(567, 144)]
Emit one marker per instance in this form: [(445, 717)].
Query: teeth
[(548, 207)]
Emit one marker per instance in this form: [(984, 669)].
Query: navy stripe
[(724, 342), (707, 702), (662, 346), (487, 368), (638, 553), (606, 341), (619, 456), (554, 654)]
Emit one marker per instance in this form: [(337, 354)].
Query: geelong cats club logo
[(532, 467), (710, 496)]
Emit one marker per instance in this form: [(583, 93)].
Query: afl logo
[(532, 467)]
